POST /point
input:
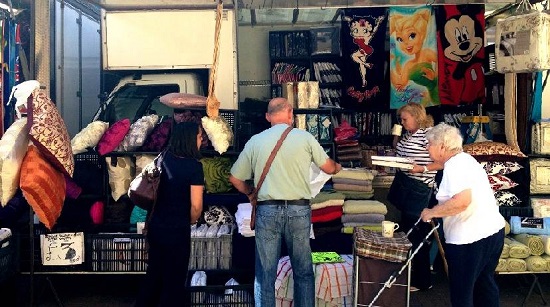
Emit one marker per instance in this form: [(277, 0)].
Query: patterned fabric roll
[(533, 242), (502, 265), (516, 265), (536, 264), (517, 249)]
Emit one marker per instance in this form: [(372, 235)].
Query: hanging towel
[(363, 40), (461, 53), (413, 58)]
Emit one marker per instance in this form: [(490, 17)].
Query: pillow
[(43, 187), (502, 168), (505, 198), (113, 136), (97, 212), (142, 161), (120, 175), (183, 100), (138, 133), (89, 136), (158, 138), (13, 147), (493, 151), (48, 132), (73, 189), (218, 215), (501, 182), (216, 174)]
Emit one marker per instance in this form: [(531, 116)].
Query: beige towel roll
[(516, 265), (505, 251), (534, 243), (536, 264), (502, 265), (506, 228), (546, 242), (547, 259), (517, 249)]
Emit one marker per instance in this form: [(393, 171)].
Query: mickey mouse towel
[(413, 57), (461, 53)]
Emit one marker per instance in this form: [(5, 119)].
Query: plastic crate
[(507, 212), (8, 266), (240, 295), (117, 252), (211, 253)]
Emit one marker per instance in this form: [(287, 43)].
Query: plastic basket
[(117, 252), (211, 253), (240, 295)]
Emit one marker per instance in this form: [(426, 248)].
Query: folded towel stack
[(367, 214), (242, 218), (354, 179), (349, 152)]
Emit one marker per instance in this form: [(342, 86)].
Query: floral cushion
[(89, 136), (158, 138), (501, 182), (138, 133), (183, 100), (48, 132), (113, 136), (502, 168), (493, 151), (218, 215), (508, 199), (13, 147), (120, 175), (216, 174), (43, 187)]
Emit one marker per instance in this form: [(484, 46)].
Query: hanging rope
[(212, 103)]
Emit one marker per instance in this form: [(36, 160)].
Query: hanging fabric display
[(413, 57), (364, 56), (460, 33)]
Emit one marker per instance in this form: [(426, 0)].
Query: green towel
[(364, 206), (357, 194), (327, 195), (326, 257)]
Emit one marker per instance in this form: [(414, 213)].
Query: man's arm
[(331, 167), (241, 186)]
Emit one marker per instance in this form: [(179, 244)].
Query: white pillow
[(142, 161), (120, 175), (13, 147), (89, 136), (138, 133)]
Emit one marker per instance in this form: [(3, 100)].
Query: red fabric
[(326, 214), (113, 136), (461, 54)]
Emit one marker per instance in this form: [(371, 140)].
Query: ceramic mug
[(388, 227)]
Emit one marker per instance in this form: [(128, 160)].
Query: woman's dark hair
[(183, 140)]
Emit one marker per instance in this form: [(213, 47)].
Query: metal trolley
[(372, 284)]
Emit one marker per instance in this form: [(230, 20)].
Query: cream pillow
[(120, 175), (13, 147), (142, 161), (89, 136), (138, 133)]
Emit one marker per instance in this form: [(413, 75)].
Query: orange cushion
[(49, 133), (43, 187)]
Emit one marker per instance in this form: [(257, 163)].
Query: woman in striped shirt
[(413, 144)]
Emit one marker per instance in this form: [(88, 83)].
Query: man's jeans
[(291, 223)]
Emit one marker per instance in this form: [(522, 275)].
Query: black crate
[(240, 295), (507, 212), (8, 265), (116, 252)]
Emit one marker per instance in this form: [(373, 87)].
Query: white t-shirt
[(482, 218)]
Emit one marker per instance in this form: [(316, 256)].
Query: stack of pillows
[(36, 156)]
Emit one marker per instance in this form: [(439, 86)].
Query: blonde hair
[(418, 21), (418, 112)]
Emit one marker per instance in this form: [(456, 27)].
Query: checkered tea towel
[(372, 244)]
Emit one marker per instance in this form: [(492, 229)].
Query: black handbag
[(143, 189), (409, 195)]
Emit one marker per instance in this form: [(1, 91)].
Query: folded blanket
[(546, 242), (517, 228), (358, 194), (351, 224), (363, 218), (327, 195), (533, 242), (352, 181), (347, 150), (352, 187), (536, 264), (355, 173), (505, 251), (364, 206), (350, 157), (349, 230), (517, 249), (328, 203), (326, 214), (502, 265), (516, 265)]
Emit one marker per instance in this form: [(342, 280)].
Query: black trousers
[(421, 276), (168, 262)]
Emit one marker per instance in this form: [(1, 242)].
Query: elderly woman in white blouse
[(473, 226)]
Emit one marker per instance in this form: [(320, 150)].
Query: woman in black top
[(179, 204)]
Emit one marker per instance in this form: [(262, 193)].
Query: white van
[(138, 95)]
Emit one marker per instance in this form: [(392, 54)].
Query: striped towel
[(334, 280)]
